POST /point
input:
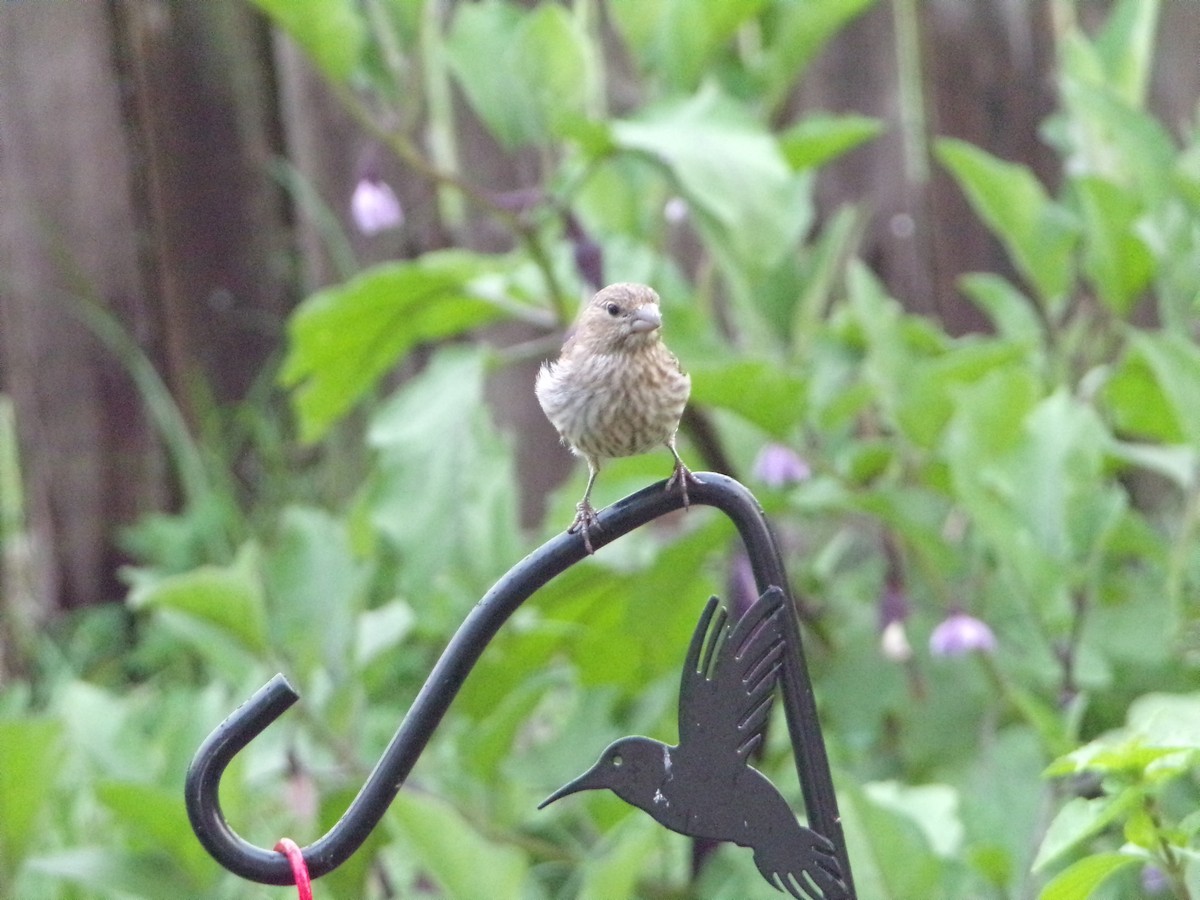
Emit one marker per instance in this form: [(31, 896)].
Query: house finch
[(616, 390)]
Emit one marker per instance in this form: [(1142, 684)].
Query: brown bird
[(615, 389)]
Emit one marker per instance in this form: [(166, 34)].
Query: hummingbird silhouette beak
[(588, 781)]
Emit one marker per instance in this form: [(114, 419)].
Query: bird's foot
[(682, 475), (585, 520)]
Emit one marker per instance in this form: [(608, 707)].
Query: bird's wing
[(568, 344), (730, 676), (675, 361)]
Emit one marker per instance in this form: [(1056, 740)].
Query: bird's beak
[(589, 781), (645, 318)]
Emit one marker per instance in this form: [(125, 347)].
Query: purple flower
[(959, 634), (374, 206), (1155, 880), (893, 605), (778, 465)]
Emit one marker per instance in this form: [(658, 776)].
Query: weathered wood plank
[(67, 225)]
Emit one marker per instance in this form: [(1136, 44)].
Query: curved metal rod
[(466, 646)]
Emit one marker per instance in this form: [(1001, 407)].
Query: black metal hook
[(265, 866)]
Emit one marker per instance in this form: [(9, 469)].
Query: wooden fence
[(137, 141)]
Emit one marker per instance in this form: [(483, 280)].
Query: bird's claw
[(585, 520), (682, 475)]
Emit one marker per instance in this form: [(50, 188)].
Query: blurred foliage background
[(276, 280)]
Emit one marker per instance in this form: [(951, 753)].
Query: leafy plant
[(1037, 485)]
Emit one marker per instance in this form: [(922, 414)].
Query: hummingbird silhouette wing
[(730, 676), (801, 863)]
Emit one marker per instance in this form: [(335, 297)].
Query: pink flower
[(675, 210), (375, 207), (778, 465), (959, 634)]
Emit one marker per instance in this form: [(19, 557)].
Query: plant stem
[(1171, 864), (385, 34), (912, 91), (1182, 547), (443, 144)]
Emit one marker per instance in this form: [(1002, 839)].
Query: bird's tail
[(803, 864)]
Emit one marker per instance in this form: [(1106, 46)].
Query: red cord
[(288, 848)]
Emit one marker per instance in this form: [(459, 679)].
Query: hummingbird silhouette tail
[(804, 866)]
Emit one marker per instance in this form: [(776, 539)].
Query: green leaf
[(615, 867), (1141, 830), (640, 24), (1079, 880), (1160, 741), (448, 845), (476, 48), (1126, 48), (443, 491), (121, 873), (30, 756), (1026, 471), (332, 32), (316, 587), (1179, 464), (761, 391), (797, 35), (344, 338), (1114, 753), (927, 399), (1079, 819), (1012, 313), (693, 31), (1155, 391), (891, 339), (1116, 142), (932, 807), (1166, 720), (492, 735), (918, 514), (356, 876), (1171, 233), (1037, 233), (820, 273), (892, 859), (228, 597), (819, 138), (157, 822), (1002, 805), (381, 629), (526, 74), (731, 171), (1058, 470), (12, 492), (1115, 259)]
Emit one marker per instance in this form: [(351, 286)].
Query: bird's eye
[(613, 309), (617, 760)]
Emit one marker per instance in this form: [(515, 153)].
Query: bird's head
[(621, 317), (633, 768)]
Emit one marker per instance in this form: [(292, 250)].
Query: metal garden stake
[(704, 786)]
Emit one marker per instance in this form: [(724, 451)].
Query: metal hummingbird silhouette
[(730, 678), (705, 787)]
